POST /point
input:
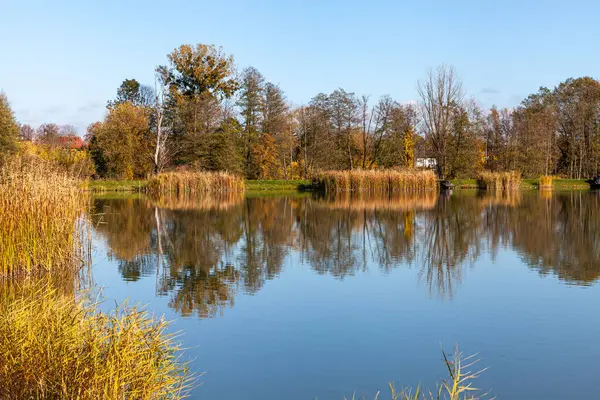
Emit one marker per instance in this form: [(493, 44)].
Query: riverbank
[(281, 186)]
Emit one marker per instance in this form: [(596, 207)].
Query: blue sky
[(62, 60)]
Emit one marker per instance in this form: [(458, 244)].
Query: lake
[(309, 297)]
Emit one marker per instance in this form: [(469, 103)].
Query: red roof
[(72, 142)]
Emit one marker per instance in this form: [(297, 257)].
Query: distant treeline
[(202, 113)]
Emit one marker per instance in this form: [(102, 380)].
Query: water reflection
[(204, 253)]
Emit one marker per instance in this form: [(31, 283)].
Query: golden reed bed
[(185, 183), (376, 181), (41, 218)]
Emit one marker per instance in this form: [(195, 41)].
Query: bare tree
[(440, 93), (162, 133), (27, 132)]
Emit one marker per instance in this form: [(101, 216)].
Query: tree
[(123, 140), (27, 133), (277, 122), (9, 129), (132, 91), (439, 93), (251, 103), (48, 134), (464, 144), (162, 132), (200, 70), (197, 80), (578, 116)]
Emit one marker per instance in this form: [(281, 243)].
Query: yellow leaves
[(123, 140)]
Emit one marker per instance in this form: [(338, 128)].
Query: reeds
[(55, 347), (499, 180), (41, 223), (184, 183), (375, 181), (52, 344), (546, 181), (458, 385)]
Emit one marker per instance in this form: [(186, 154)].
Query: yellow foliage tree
[(124, 140)]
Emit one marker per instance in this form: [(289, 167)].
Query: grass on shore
[(375, 181), (291, 186), (277, 185), (105, 185), (53, 346), (41, 219)]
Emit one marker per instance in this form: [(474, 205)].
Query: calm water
[(305, 297)]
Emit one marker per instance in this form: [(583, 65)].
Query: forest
[(204, 113)]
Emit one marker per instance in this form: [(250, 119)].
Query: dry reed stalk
[(546, 181), (499, 180), (188, 183), (42, 229), (53, 346), (375, 181)]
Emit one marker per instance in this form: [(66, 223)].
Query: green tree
[(9, 129), (197, 80), (132, 91)]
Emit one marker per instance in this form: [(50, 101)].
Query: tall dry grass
[(546, 181), (499, 180), (41, 225), (185, 183), (53, 346), (376, 181)]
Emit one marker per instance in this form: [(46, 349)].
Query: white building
[(425, 163)]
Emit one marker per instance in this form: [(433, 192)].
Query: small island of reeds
[(375, 181)]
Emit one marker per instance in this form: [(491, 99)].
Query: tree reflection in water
[(204, 253)]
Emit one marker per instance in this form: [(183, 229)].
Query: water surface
[(305, 297)]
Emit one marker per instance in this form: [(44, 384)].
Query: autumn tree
[(578, 116), (465, 141), (198, 79), (277, 122), (122, 140), (9, 129)]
